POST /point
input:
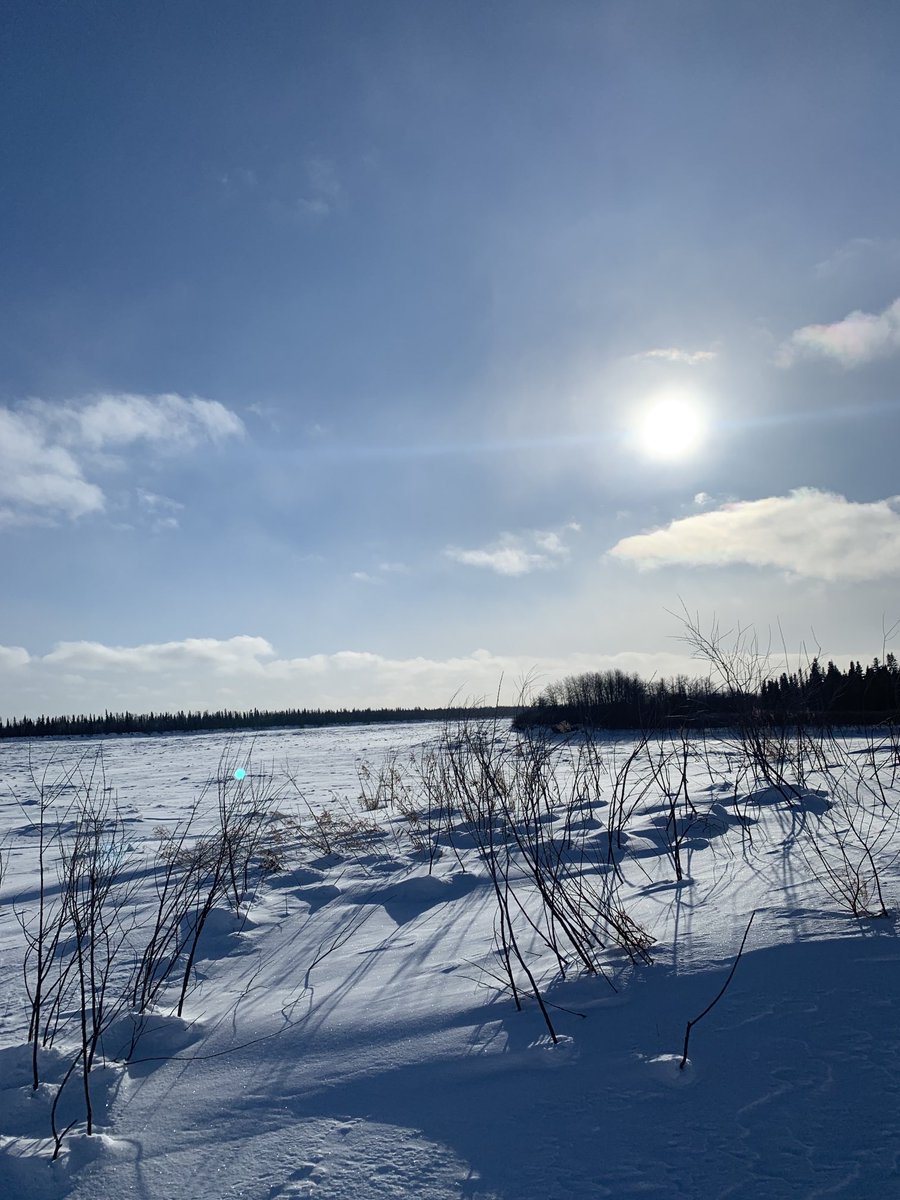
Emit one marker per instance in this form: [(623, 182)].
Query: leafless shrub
[(90, 952), (221, 863), (174, 881), (853, 839), (630, 787), (696, 1020), (77, 943), (668, 763), (336, 829), (385, 786), (525, 816), (848, 817)]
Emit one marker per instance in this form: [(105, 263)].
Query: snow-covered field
[(349, 1029)]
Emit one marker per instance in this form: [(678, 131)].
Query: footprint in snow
[(302, 1182)]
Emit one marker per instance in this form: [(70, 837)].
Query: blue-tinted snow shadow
[(795, 1085), (406, 899)]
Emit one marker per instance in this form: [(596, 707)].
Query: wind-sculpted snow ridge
[(347, 929)]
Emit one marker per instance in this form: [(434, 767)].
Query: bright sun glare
[(670, 427)]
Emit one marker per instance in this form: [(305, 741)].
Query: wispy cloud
[(317, 194), (161, 511), (323, 192), (381, 572), (673, 354), (811, 533), (518, 554), (859, 253), (269, 414), (111, 421), (46, 450), (859, 338), (306, 190), (239, 179)]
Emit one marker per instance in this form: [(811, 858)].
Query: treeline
[(617, 700), (620, 700), (594, 699), (227, 720), (859, 693)]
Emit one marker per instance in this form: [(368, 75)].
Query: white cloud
[(381, 573), (504, 558), (672, 354), (234, 654), (13, 657), (45, 449), (809, 533), (168, 420), (38, 477), (518, 554), (245, 672), (859, 338)]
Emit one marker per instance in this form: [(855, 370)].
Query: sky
[(388, 353)]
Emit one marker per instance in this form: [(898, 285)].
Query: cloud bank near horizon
[(246, 672)]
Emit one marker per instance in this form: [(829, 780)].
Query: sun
[(671, 427)]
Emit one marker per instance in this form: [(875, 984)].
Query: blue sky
[(347, 349)]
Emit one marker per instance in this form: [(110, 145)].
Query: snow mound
[(144, 1037), (667, 1069)]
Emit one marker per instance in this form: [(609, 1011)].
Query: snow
[(349, 1033)]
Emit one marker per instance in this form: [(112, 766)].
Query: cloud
[(245, 672), (168, 420), (234, 653), (324, 191), (859, 254), (317, 195), (13, 658), (267, 413), (160, 510), (672, 354), (299, 191), (46, 449), (810, 533), (518, 554), (859, 338), (37, 477), (239, 179), (381, 573)]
